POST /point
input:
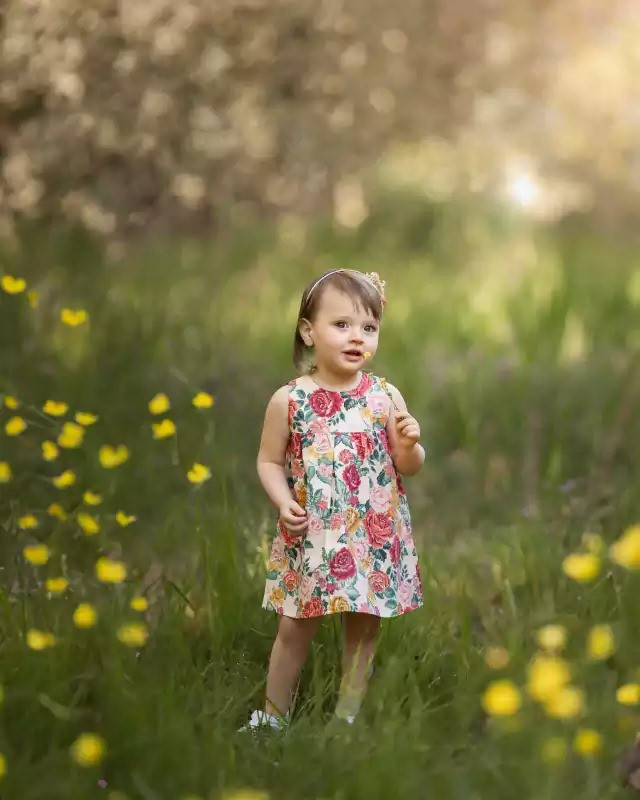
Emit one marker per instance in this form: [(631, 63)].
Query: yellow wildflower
[(496, 657), (501, 699), (203, 400), (164, 429), (159, 404), (601, 643), (245, 794), (91, 498), (139, 603), (626, 550), (554, 750), (12, 285), (547, 675), (71, 435), (3, 766), (5, 472), (49, 451), (135, 634), (85, 616), (113, 456), (15, 426), (629, 694), (89, 524), (65, 479), (27, 522), (72, 317), (11, 402), (56, 585), (124, 519), (39, 640), (109, 571), (37, 554), (85, 418), (55, 408), (594, 543), (56, 510), (88, 749), (566, 703), (587, 742), (552, 637), (33, 297), (198, 473), (581, 567)]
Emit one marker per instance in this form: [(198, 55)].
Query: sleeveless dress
[(358, 552)]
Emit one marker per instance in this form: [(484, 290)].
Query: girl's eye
[(341, 324), (371, 328)]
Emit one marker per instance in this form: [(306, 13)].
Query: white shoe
[(262, 719)]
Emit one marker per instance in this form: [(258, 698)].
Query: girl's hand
[(407, 428), (293, 517)]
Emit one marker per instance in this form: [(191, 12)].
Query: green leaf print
[(272, 574), (391, 604), (352, 593)]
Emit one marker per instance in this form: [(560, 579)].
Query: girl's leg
[(361, 636), (288, 655)]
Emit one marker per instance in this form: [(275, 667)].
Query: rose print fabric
[(358, 552)]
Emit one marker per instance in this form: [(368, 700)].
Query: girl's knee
[(297, 632), (362, 627)]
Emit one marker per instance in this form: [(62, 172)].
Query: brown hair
[(350, 282)]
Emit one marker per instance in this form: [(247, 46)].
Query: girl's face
[(341, 332)]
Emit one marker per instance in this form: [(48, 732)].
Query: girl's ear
[(304, 326)]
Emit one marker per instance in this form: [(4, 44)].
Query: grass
[(516, 347)]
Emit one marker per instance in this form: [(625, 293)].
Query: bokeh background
[(172, 175)]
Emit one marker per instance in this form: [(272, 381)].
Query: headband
[(372, 277)]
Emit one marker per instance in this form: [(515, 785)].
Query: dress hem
[(390, 615)]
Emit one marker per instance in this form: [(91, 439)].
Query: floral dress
[(357, 552)]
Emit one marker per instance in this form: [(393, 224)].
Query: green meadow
[(517, 347)]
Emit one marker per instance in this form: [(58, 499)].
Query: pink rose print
[(326, 470), (325, 403), (335, 523), (307, 585), (315, 524), (331, 587), (378, 528), (379, 582), (293, 407), (322, 442), (351, 477), (277, 550), (385, 440), (394, 551), (297, 468), (342, 566), (360, 550), (295, 445), (322, 505), (345, 456), (290, 579), (364, 444), (378, 404), (380, 499), (313, 608), (405, 592)]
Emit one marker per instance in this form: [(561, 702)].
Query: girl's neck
[(333, 383)]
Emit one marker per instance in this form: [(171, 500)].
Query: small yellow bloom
[(49, 451), (111, 457), (91, 498), (37, 554), (164, 429), (65, 479), (33, 297), (496, 657), (547, 675), (367, 354), (3, 766), (626, 550), (594, 543), (587, 742), (501, 699), (13, 285), (11, 402), (85, 616), (203, 400), (198, 473), (109, 571), (15, 426), (566, 703), (135, 634), (85, 418), (601, 643), (56, 510), (5, 472), (554, 750), (71, 435), (159, 404), (55, 408), (124, 519), (56, 585), (27, 522), (245, 794), (139, 603), (629, 694), (552, 637), (88, 749), (581, 567), (39, 640), (89, 524), (73, 318)]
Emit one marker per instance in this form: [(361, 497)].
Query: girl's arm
[(271, 460), (403, 431)]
